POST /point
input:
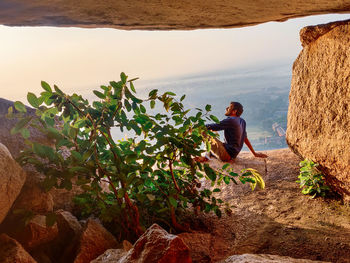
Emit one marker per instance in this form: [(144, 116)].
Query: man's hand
[(260, 155)]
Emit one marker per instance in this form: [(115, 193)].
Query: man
[(235, 135)]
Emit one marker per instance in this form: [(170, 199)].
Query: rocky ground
[(277, 220)]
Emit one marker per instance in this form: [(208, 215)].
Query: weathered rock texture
[(12, 178), (157, 246), (33, 197), (319, 107), (156, 14), (264, 258), (12, 252), (110, 256), (36, 233), (93, 241)]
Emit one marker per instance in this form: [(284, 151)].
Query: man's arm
[(247, 142), (219, 126)]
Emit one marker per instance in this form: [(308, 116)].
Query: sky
[(76, 59)]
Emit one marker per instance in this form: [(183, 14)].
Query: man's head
[(235, 109)]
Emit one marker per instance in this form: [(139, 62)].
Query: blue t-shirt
[(234, 132)]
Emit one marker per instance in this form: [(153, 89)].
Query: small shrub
[(311, 179), (152, 176)]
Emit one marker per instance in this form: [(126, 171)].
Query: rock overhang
[(160, 14)]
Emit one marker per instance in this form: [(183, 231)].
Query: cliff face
[(160, 15), (319, 111)]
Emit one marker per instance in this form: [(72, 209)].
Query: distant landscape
[(262, 91)]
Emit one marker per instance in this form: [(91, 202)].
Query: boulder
[(12, 178), (200, 245), (12, 252), (68, 225), (264, 258), (33, 197), (36, 233), (158, 246), (319, 102), (63, 199), (110, 256), (91, 243)]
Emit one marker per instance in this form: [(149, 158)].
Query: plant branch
[(173, 176)]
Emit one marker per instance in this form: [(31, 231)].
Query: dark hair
[(237, 106)]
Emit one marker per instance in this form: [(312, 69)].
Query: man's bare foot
[(201, 159)]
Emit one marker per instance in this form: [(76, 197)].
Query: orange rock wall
[(319, 102)]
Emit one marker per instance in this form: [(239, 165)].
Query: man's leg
[(219, 149)]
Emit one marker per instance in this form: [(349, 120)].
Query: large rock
[(319, 107), (91, 243), (201, 246), (157, 246), (110, 256), (33, 197), (36, 233), (12, 252), (264, 258), (161, 15), (12, 178)]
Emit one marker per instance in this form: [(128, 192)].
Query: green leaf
[(214, 118), (46, 86), (58, 90), (99, 94), (216, 190), (152, 104), (123, 77), (183, 97), (10, 111), (33, 100), (173, 201), (153, 93), (121, 192), (209, 172), (227, 180), (208, 107), (132, 87), (142, 108), (25, 133), (20, 106), (225, 166), (20, 125)]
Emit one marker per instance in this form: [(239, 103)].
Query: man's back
[(234, 132)]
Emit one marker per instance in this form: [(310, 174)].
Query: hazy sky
[(75, 59)]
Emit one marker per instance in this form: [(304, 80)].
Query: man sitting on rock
[(235, 135)]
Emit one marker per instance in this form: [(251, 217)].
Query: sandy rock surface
[(250, 258), (155, 14), (319, 106), (12, 252), (278, 220), (12, 178)]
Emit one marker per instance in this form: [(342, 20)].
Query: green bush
[(152, 176), (311, 179)]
